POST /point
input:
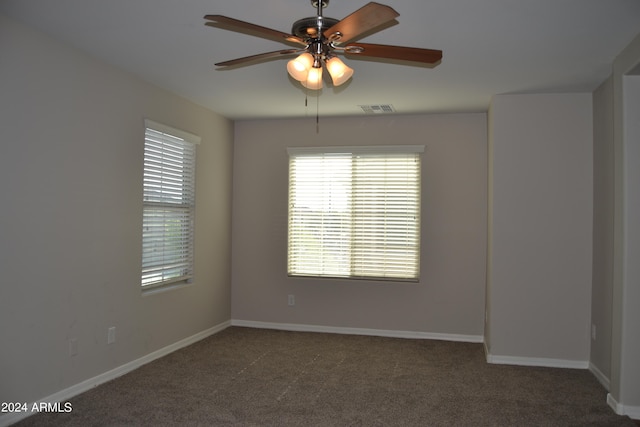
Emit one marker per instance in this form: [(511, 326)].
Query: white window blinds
[(169, 205), (355, 212)]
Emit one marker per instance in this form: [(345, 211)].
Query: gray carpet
[(253, 377)]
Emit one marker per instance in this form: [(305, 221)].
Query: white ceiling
[(489, 47)]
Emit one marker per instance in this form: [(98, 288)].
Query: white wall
[(539, 287), (449, 299), (71, 148)]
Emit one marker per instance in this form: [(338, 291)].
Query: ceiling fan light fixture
[(314, 79), (299, 68), (338, 71)]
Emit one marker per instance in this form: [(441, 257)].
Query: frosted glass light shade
[(299, 68), (338, 71), (314, 79)]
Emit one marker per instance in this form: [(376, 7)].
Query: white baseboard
[(358, 331), (600, 376), (537, 361), (632, 412), (68, 393)]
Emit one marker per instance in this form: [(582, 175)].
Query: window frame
[(169, 202), (413, 242)]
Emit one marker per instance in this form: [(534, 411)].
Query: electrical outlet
[(73, 346), (292, 300), (593, 332), (111, 335)]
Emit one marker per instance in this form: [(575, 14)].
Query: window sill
[(158, 289)]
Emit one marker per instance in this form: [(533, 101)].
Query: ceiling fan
[(322, 38)]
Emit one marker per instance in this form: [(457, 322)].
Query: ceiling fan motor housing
[(307, 28)]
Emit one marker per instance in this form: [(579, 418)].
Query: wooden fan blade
[(427, 56), (247, 59), (232, 24), (362, 20)]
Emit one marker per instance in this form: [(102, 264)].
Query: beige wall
[(603, 220), (71, 148), (541, 202), (449, 299), (625, 344)]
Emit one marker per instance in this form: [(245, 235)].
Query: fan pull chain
[(306, 107), (317, 114)]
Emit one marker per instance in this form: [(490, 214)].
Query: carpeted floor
[(253, 377)]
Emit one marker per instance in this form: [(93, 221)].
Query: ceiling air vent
[(378, 109)]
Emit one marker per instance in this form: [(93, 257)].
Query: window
[(169, 205), (354, 212)]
